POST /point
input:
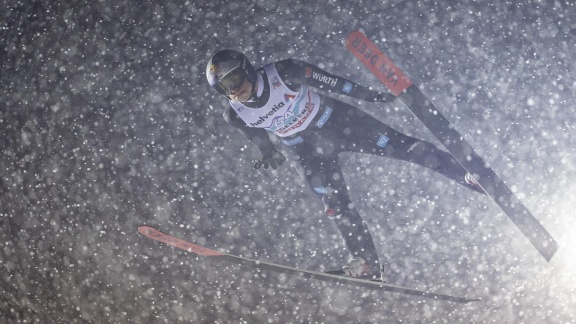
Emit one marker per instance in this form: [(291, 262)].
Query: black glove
[(381, 97), (273, 160)]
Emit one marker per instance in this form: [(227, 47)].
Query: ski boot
[(471, 181)]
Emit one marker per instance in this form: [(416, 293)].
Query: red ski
[(216, 255), (389, 74)]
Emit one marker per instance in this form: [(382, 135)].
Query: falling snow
[(108, 123)]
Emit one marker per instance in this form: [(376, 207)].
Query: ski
[(401, 86), (216, 255)]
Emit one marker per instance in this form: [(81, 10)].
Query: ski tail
[(383, 68)]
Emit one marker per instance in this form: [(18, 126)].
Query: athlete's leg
[(423, 153), (323, 176), (364, 133), (341, 211)]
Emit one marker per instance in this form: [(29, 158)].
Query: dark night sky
[(107, 124)]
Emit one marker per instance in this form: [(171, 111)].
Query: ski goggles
[(230, 81)]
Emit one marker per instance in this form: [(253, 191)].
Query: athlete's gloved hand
[(381, 97), (273, 160)]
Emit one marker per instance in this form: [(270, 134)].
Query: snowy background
[(107, 124)]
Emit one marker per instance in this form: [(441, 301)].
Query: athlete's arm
[(257, 136), (295, 72)]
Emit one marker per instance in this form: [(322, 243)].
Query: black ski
[(369, 284), (383, 68)]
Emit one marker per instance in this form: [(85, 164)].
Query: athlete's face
[(241, 93)]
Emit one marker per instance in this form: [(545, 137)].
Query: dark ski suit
[(339, 127)]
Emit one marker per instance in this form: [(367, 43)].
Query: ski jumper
[(315, 129)]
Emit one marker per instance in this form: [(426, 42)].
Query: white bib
[(286, 112)]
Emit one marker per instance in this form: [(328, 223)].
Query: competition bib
[(286, 112)]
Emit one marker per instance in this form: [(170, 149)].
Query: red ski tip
[(146, 230), (377, 62), (176, 242)]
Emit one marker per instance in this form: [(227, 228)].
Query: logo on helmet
[(214, 70)]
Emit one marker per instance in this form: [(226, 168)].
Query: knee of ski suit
[(334, 206)]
